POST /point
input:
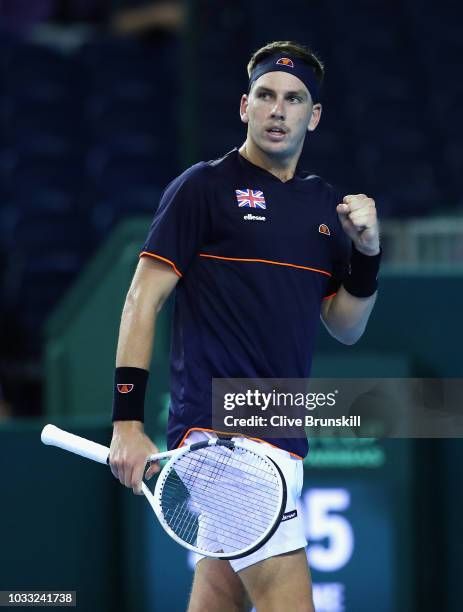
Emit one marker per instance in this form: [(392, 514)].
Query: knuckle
[(114, 463)]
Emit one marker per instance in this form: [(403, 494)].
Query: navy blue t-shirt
[(256, 257)]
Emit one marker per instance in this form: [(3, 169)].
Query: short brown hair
[(292, 49)]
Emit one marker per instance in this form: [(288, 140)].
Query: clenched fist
[(357, 214)]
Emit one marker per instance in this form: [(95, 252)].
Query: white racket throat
[(177, 451), (217, 498)]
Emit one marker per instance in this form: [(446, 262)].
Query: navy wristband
[(129, 394), (362, 280)]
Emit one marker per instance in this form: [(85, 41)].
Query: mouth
[(276, 133)]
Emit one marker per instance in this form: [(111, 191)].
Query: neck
[(283, 169)]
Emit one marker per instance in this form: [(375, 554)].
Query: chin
[(277, 149)]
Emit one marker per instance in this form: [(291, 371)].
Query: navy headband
[(292, 65)]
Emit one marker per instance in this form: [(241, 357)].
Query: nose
[(278, 110)]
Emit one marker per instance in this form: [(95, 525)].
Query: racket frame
[(154, 499)]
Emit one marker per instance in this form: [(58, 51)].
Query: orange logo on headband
[(124, 388), (324, 229), (285, 61)]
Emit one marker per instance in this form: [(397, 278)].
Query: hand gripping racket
[(217, 498)]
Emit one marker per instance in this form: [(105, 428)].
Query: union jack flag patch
[(250, 198)]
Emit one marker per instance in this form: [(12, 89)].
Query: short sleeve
[(179, 224), (342, 249)]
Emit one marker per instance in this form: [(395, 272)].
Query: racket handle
[(54, 436)]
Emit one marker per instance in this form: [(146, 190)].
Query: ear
[(244, 108), (315, 117)]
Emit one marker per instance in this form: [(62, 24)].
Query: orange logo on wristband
[(125, 388)]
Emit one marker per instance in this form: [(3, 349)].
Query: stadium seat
[(46, 164), (407, 190), (114, 61), (32, 289), (109, 209), (45, 250), (32, 67), (39, 231), (110, 114), (26, 119), (122, 169)]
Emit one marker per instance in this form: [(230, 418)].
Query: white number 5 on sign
[(322, 524)]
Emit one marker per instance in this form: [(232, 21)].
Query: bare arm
[(152, 284), (345, 316)]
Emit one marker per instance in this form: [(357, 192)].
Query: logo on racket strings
[(125, 388)]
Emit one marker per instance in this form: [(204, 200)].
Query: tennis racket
[(217, 498)]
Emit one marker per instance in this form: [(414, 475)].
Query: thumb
[(152, 470)]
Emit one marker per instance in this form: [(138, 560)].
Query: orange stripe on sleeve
[(328, 297), (167, 261), (267, 261)]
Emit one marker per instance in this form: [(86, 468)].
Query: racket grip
[(54, 436)]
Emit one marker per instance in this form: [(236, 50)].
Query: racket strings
[(211, 508), (187, 529), (232, 483), (220, 499), (223, 491), (257, 476), (224, 494), (182, 526)]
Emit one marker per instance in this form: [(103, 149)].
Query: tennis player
[(257, 251)]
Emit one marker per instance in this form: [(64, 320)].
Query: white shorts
[(290, 533)]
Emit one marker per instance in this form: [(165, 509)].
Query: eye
[(295, 98), (264, 95)]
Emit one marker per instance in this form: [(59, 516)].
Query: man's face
[(279, 112)]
